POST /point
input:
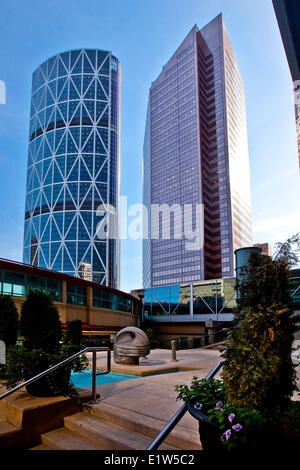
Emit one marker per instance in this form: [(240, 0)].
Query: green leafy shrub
[(23, 364), (41, 349), (238, 427), (8, 327), (256, 411), (206, 392), (263, 283), (73, 333), (40, 325), (258, 372), (8, 321)]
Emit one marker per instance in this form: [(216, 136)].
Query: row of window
[(173, 95), (169, 110), (178, 144), (177, 155), (182, 128), (172, 85), (18, 285), (166, 129)]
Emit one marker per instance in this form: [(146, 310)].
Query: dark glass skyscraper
[(196, 153), (74, 165)]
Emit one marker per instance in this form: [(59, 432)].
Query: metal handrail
[(94, 350), (178, 415)]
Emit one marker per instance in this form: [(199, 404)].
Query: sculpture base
[(129, 360)]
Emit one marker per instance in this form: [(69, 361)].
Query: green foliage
[(73, 333), (39, 324), (150, 333), (258, 372), (41, 349), (291, 417), (8, 321), (206, 392), (238, 426), (262, 283), (289, 250), (23, 365)]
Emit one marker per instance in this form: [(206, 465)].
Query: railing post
[(94, 364), (173, 345)]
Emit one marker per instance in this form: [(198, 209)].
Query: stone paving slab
[(154, 395), (160, 360)]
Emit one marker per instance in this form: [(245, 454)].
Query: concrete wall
[(172, 330)]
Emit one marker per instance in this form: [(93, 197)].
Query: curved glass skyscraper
[(74, 165)]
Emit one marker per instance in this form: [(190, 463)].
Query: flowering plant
[(203, 394), (236, 425)]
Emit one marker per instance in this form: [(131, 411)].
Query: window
[(18, 285), (105, 299), (76, 295)]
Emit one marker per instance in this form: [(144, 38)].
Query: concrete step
[(181, 437), (64, 439), (108, 435), (8, 434), (41, 447)]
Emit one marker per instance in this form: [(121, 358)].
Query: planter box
[(209, 432)]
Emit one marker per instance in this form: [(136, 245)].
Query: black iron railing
[(94, 350)]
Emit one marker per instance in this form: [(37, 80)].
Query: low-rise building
[(75, 298)]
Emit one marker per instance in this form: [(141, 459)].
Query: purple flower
[(226, 435), (231, 417), (237, 427), (198, 406), (178, 396), (219, 406)]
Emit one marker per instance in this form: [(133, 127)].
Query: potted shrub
[(8, 326), (252, 407), (41, 349), (73, 333)]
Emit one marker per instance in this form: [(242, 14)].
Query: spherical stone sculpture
[(131, 343)]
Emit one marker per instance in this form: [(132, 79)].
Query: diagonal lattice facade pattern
[(73, 165)]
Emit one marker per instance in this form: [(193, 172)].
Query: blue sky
[(143, 34)]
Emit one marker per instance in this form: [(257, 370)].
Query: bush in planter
[(73, 333), (222, 425), (41, 349), (8, 325), (8, 320), (258, 373), (72, 344), (40, 325)]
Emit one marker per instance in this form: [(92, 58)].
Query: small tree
[(263, 282), (41, 330), (73, 333), (8, 321), (39, 324), (258, 371)]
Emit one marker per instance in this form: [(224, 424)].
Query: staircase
[(106, 427)]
